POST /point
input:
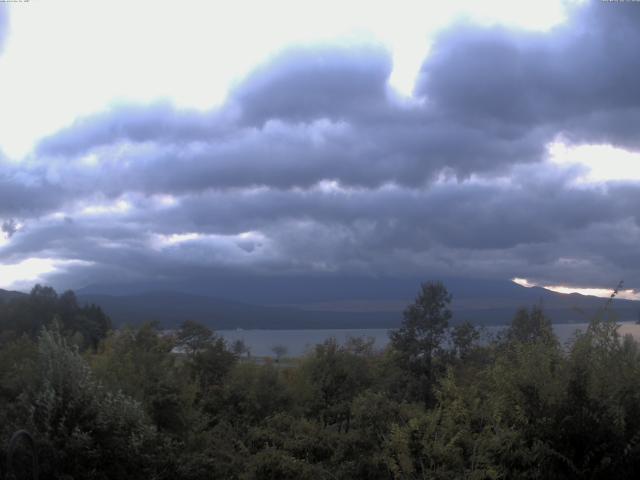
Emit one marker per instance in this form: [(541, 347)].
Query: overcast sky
[(167, 141)]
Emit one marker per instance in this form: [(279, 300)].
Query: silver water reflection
[(298, 342)]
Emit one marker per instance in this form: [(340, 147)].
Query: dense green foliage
[(27, 314), (437, 403)]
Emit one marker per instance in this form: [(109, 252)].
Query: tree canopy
[(440, 401)]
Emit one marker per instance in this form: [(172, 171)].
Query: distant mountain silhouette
[(279, 290), (298, 303), (171, 308), (6, 295)]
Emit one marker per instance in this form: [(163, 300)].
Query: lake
[(298, 342)]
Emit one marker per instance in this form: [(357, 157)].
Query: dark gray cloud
[(283, 155), (158, 122), (542, 227), (302, 84), (314, 166), (314, 114), (25, 190), (579, 79), (9, 227)]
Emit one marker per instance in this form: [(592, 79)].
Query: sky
[(152, 141)]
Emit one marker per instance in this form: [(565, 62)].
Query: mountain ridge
[(352, 305), (6, 295), (489, 304)]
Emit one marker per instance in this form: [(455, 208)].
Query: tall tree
[(194, 337), (418, 343), (530, 326)]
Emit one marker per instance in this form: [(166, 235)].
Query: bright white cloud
[(160, 241), (523, 282), (600, 162), (120, 206), (30, 271), (596, 292), (235, 245)]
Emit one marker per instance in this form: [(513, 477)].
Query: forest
[(441, 401)]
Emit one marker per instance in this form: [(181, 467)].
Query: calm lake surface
[(298, 342)]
